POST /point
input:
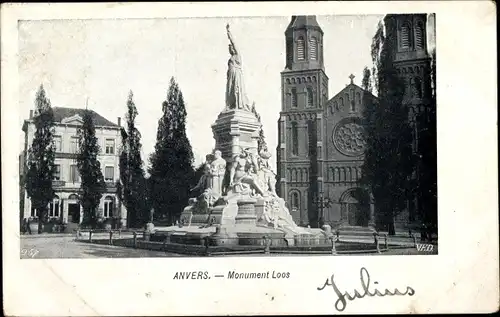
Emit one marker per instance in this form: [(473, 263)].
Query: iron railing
[(207, 246)]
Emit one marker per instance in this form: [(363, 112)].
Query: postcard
[(242, 159)]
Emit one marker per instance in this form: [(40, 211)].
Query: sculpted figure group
[(211, 182), (251, 176)]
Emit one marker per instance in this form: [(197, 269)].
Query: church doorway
[(356, 205)]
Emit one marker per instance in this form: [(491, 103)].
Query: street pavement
[(65, 247)]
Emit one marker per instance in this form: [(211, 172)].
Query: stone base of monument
[(238, 223)]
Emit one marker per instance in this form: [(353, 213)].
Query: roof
[(303, 21), (61, 112), (351, 85)]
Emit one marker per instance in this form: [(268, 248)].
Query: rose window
[(349, 138)]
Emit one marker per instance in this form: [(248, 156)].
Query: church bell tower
[(300, 135)]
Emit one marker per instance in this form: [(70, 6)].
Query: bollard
[(386, 243), (375, 237), (334, 250), (77, 234), (267, 243), (414, 241), (207, 245), (110, 237), (90, 235), (135, 239)]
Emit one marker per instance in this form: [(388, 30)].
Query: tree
[(171, 168), (133, 188), (389, 160), (89, 167), (261, 142), (41, 158), (427, 169)]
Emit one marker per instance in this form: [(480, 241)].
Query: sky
[(103, 59)]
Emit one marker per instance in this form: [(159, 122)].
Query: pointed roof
[(346, 89), (303, 21)]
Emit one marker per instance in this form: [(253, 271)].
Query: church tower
[(304, 92)]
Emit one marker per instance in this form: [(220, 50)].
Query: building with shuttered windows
[(65, 205)]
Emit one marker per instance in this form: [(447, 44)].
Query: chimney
[(119, 121), (31, 114)]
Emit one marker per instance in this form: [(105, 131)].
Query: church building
[(321, 140)]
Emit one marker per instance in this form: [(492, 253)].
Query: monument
[(235, 201)]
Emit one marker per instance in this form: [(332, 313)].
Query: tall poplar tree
[(427, 169), (389, 160), (171, 167), (133, 187), (41, 158), (89, 167)]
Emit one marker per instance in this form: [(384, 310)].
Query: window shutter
[(313, 48), (419, 38), (310, 98), (300, 48), (405, 36)]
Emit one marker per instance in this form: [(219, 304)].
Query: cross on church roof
[(351, 77)]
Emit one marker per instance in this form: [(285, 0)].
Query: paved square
[(47, 247)]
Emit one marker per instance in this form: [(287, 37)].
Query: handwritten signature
[(341, 303)]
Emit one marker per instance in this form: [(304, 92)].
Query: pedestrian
[(28, 228)]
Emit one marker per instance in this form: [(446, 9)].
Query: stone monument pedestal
[(235, 129), (246, 212)]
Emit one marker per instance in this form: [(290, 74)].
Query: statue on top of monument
[(236, 97)]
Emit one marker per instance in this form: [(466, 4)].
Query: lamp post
[(322, 203)]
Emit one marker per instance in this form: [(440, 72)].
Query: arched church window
[(310, 97), (405, 35), (410, 87), (295, 200), (341, 104), (358, 98), (300, 48), (313, 48), (295, 139), (418, 87), (419, 35), (294, 98), (353, 101)]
